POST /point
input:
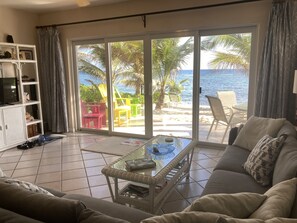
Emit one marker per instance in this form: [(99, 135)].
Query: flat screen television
[(9, 93)]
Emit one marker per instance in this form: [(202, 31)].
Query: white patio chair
[(228, 98), (220, 117)]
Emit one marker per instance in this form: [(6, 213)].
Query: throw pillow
[(260, 162), (28, 186), (239, 205), (255, 128), (279, 201), (188, 217)]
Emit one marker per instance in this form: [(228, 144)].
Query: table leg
[(151, 198), (110, 188), (190, 163)]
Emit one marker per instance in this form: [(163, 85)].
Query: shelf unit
[(20, 61)]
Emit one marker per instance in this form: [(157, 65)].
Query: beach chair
[(122, 108), (220, 117), (228, 98), (92, 116), (229, 101)]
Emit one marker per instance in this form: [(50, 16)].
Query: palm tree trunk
[(160, 101)]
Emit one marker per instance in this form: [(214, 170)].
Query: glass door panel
[(224, 81), (91, 71), (172, 86), (127, 78)]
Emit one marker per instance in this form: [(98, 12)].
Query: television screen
[(8, 90)]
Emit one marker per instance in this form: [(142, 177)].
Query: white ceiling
[(43, 6)]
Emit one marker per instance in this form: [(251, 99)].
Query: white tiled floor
[(63, 166)]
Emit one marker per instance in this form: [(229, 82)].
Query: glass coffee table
[(147, 189)]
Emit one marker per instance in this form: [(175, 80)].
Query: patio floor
[(176, 121)]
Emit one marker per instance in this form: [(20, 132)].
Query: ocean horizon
[(211, 81)]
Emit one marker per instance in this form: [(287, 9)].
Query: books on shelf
[(139, 164)]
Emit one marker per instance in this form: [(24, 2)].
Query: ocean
[(211, 81)]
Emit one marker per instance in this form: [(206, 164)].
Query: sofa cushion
[(294, 208), (238, 220), (39, 206), (223, 181), (238, 205), (12, 217), (112, 209), (255, 128), (233, 159), (279, 202), (89, 216), (272, 220), (287, 129), (187, 217), (261, 161), (286, 163)]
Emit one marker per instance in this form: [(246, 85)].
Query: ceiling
[(43, 6)]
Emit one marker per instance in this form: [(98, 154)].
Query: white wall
[(254, 13), (19, 24)]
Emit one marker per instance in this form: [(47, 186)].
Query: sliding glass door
[(127, 82), (91, 74), (170, 85), (224, 81), (172, 81), (122, 81)]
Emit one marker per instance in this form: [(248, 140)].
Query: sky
[(204, 60)]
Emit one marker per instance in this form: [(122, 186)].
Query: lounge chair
[(122, 108)]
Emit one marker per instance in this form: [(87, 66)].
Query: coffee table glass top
[(160, 149)]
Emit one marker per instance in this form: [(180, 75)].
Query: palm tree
[(127, 63), (131, 57), (236, 54), (91, 60), (168, 57)]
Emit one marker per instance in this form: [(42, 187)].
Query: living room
[(65, 155)]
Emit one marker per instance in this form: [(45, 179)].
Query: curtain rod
[(143, 15)]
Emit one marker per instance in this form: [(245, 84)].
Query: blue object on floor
[(44, 139)]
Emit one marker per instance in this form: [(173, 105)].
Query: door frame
[(147, 39)]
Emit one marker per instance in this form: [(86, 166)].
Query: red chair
[(92, 116)]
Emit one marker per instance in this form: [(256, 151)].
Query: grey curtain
[(275, 98), (52, 80)]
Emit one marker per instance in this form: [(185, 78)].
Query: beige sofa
[(229, 176), (277, 205), (233, 195)]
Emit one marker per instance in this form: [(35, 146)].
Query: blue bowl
[(160, 149)]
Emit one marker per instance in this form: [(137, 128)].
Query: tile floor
[(63, 166)]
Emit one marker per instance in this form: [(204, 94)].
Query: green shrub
[(90, 93)]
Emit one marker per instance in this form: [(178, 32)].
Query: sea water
[(211, 81)]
